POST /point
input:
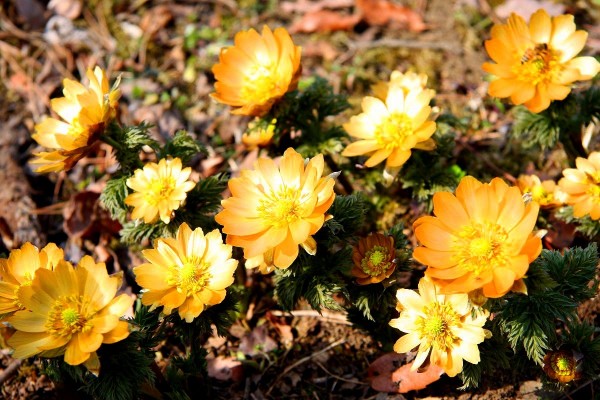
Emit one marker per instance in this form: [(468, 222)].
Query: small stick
[(11, 369)]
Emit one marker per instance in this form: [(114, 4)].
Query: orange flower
[(189, 272), (274, 209), (408, 81), (443, 326), (480, 238), (535, 64), (547, 194), (70, 311), (86, 112), (390, 130), (257, 71), (19, 269), (582, 186), (373, 258), (563, 365), (159, 189), (259, 133)]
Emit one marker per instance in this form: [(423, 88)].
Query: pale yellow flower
[(390, 130), (71, 312), (259, 134), (86, 111), (257, 71), (273, 210), (19, 270), (582, 186), (444, 327), (547, 194), (189, 272), (408, 82), (159, 189), (536, 63)]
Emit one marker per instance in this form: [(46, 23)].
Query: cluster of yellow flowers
[(58, 309), (479, 242)]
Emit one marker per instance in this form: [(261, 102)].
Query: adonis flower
[(86, 111), (274, 209), (257, 71), (443, 326), (19, 269), (563, 365), (373, 258), (546, 193), (70, 311), (409, 82), (535, 63), (259, 133), (390, 129), (479, 238), (189, 272), (582, 186), (159, 189)]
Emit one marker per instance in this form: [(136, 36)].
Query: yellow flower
[(535, 63), (86, 111), (582, 186), (390, 129), (480, 238), (274, 209), (70, 311), (373, 258), (257, 71), (547, 194), (259, 134), (409, 82), (159, 189), (443, 326), (19, 269), (189, 272)]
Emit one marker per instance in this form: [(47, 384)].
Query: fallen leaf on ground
[(225, 368), (387, 374), (257, 341), (324, 21), (383, 12)]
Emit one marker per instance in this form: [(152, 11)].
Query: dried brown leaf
[(387, 374), (225, 368), (324, 21), (383, 12)]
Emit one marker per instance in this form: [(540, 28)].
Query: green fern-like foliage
[(113, 197), (305, 112), (428, 172), (318, 279), (183, 146), (127, 143), (562, 121), (529, 322)]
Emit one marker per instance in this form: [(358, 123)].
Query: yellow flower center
[(281, 208), (563, 364), (160, 189), (374, 261), (191, 277), (436, 327), (65, 317), (539, 64), (392, 131), (260, 84), (481, 247)]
